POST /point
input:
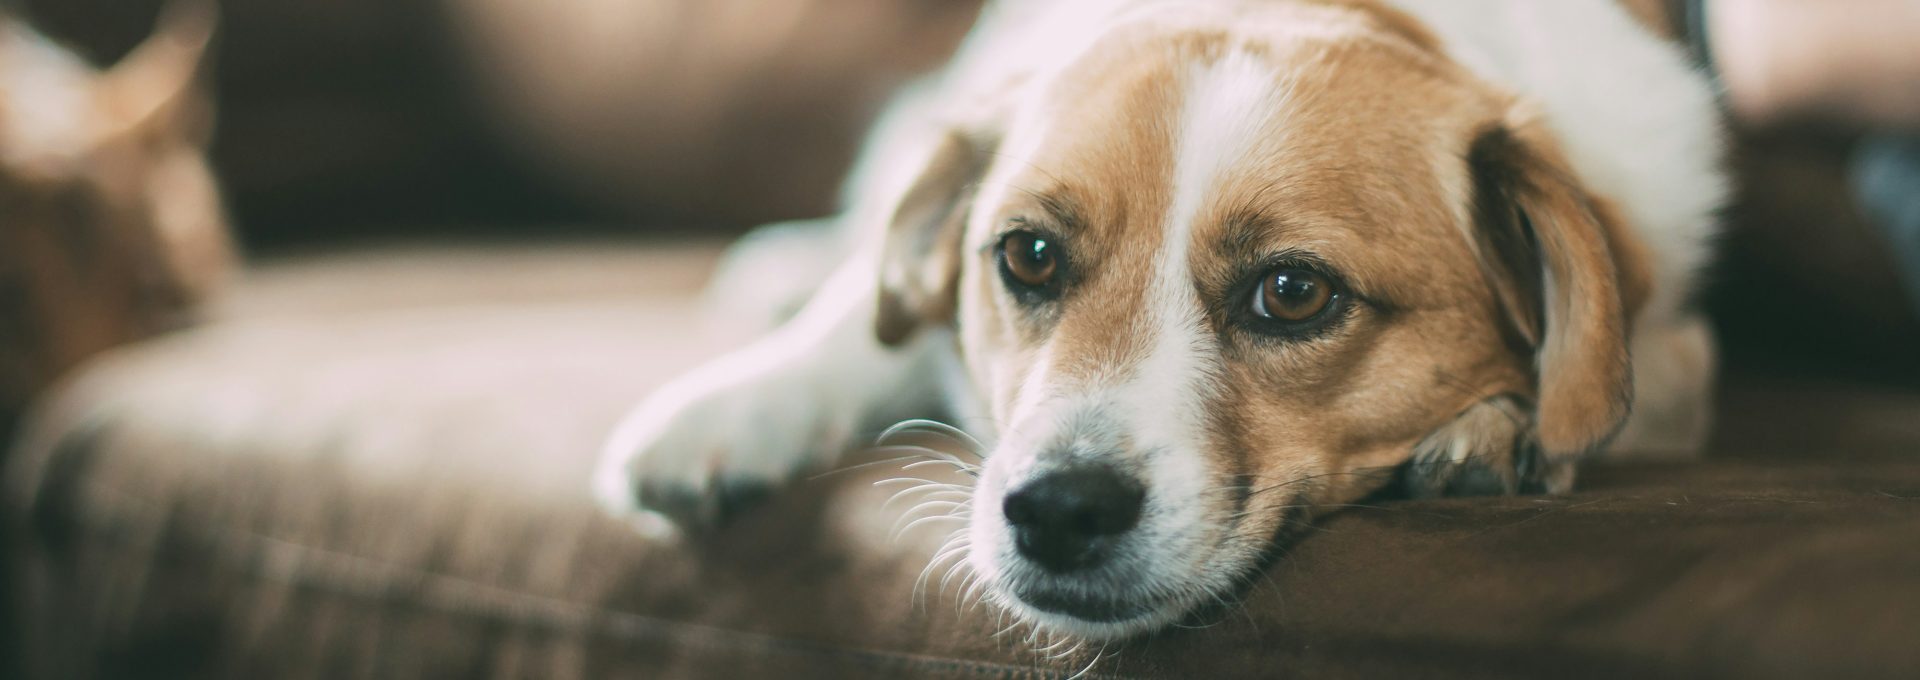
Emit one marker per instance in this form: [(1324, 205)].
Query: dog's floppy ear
[(920, 260), (1569, 278)]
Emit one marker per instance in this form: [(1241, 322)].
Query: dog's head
[(1208, 275)]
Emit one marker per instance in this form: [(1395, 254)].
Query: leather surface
[(375, 466)]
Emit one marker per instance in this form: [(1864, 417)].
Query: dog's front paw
[(1484, 452), (705, 447)]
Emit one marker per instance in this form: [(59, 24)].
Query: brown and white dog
[(1191, 269)]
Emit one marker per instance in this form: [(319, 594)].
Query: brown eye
[(1028, 259), (1292, 294)]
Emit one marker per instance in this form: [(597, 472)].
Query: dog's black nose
[(1064, 520)]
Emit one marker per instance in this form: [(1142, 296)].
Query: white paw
[(714, 442)]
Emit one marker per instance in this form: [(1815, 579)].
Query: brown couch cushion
[(376, 466)]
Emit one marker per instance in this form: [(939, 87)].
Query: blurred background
[(343, 118), (358, 119)]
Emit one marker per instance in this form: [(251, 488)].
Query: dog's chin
[(1098, 619)]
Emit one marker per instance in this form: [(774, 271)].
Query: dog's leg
[(713, 440), (1486, 451), (767, 277)]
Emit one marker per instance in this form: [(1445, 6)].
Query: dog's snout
[(1063, 520)]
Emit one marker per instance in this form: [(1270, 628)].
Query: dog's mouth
[(1113, 605), (1090, 609)]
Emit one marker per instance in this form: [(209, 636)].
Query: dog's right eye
[(1029, 262), (1292, 295), (1292, 300)]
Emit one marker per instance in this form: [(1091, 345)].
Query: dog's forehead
[(1347, 143)]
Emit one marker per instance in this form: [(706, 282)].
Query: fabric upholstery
[(375, 465)]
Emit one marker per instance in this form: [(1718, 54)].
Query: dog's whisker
[(1008, 628), (1062, 649), (974, 446), (862, 466), (921, 450), (926, 425), (946, 445), (945, 506), (979, 599), (974, 592), (934, 495), (922, 453), (1054, 644), (948, 577), (1229, 607), (920, 584), (948, 494), (962, 467), (903, 493), (968, 600), (903, 480), (909, 527), (1088, 670), (910, 519), (955, 545), (923, 494), (922, 486), (935, 518), (958, 509), (1078, 646), (925, 505), (953, 431)]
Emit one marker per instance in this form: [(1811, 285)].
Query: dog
[(1190, 270)]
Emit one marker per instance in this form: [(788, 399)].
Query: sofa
[(373, 461)]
